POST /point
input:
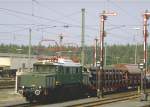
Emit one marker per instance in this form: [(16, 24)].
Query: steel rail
[(7, 87), (22, 105), (98, 102), (94, 104), (7, 83), (107, 100)]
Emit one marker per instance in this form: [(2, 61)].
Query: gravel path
[(9, 96)]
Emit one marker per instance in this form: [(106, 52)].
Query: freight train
[(115, 79), (60, 77), (51, 78)]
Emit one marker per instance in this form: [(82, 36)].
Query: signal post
[(100, 71), (100, 79), (144, 70)]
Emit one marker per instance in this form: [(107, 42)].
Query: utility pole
[(103, 17), (146, 16), (136, 43), (82, 39), (95, 53), (60, 44), (105, 63), (145, 33), (60, 40), (30, 48), (135, 52)]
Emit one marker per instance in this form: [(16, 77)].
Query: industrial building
[(15, 61)]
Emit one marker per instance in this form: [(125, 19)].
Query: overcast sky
[(47, 19)]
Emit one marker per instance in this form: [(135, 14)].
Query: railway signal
[(30, 33), (103, 17), (141, 66), (136, 43), (95, 52), (144, 70), (143, 93), (146, 16), (60, 40)]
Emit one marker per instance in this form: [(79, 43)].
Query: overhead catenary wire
[(65, 16), (18, 16), (71, 26), (57, 12), (44, 18), (126, 12), (22, 18), (35, 16), (23, 29)]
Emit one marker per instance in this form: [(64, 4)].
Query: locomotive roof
[(61, 61), (67, 62)]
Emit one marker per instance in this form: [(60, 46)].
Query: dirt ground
[(9, 95)]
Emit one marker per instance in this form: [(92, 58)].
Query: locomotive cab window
[(44, 68), (77, 69), (74, 70), (67, 70)]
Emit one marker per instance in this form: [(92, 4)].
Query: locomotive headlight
[(57, 83), (141, 66), (40, 87), (22, 86)]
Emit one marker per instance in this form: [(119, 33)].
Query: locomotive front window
[(73, 70), (77, 69), (67, 70), (44, 68)]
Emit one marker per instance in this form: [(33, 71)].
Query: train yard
[(90, 75), (118, 98), (122, 80), (6, 83), (108, 101), (8, 96)]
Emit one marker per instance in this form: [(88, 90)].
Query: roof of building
[(16, 55)]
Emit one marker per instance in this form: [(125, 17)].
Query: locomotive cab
[(32, 85), (51, 79)]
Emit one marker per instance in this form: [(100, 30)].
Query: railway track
[(102, 102), (107, 100), (7, 87), (6, 78), (23, 105), (6, 83)]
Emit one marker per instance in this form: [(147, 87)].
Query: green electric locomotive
[(52, 79)]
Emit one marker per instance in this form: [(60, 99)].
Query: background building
[(15, 61)]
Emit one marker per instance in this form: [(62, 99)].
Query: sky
[(48, 20)]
